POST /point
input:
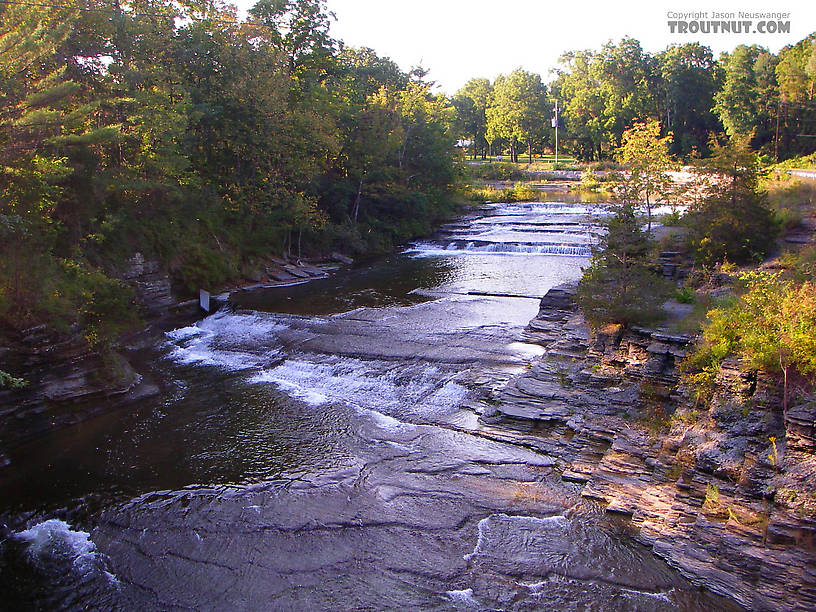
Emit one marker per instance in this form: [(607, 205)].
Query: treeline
[(205, 141), (749, 93)]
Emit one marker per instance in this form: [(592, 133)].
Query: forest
[(207, 140), (749, 93)]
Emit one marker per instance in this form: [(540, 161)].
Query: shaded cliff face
[(704, 486), (67, 380)]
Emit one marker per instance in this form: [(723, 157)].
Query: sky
[(461, 39)]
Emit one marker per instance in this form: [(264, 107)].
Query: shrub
[(590, 181), (733, 221), (7, 381), (772, 327), (684, 295), (620, 285), (522, 192)]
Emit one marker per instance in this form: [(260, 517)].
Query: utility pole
[(776, 139), (555, 125)]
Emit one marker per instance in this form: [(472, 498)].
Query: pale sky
[(460, 39)]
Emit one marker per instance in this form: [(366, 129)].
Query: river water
[(313, 448)]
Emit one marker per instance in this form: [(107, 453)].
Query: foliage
[(746, 103), (684, 295), (497, 171), (518, 104), (733, 221), (647, 156), (7, 381), (689, 77), (471, 103), (772, 326), (620, 285), (603, 93), (199, 139)]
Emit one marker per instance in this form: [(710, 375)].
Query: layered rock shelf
[(722, 489)]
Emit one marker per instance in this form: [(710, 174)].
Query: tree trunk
[(356, 208), (529, 152), (648, 213)]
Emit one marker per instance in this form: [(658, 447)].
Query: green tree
[(747, 102), (732, 221), (39, 113), (299, 29), (604, 92), (796, 70), (518, 111), (646, 156), (471, 103), (771, 326), (689, 77), (620, 285), (583, 106)]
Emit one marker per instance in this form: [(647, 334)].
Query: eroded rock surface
[(712, 489)]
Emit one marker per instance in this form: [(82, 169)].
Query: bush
[(497, 171), (733, 221), (590, 181), (772, 327), (521, 192), (684, 295), (620, 285), (7, 381)]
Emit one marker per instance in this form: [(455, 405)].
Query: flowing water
[(312, 448)]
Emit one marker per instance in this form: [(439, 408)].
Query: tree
[(628, 81), (647, 158), (471, 103), (771, 326), (604, 92), (518, 111), (747, 102), (578, 87), (620, 286), (300, 30), (796, 71), (689, 79), (732, 221), (39, 112)]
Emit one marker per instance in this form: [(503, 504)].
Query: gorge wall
[(722, 490)]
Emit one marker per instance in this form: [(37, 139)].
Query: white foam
[(426, 249), (54, 540), (661, 595), (231, 341), (183, 333), (525, 349), (463, 596), (387, 391), (484, 528), (277, 376)]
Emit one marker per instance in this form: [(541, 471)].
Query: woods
[(748, 93), (202, 140)]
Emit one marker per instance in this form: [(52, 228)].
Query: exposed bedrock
[(722, 490)]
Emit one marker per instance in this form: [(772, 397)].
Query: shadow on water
[(215, 431), (387, 282)]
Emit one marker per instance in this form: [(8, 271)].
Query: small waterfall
[(456, 247)]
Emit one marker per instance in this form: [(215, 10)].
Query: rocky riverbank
[(723, 491), (67, 380)]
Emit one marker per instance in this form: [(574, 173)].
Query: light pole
[(555, 125)]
